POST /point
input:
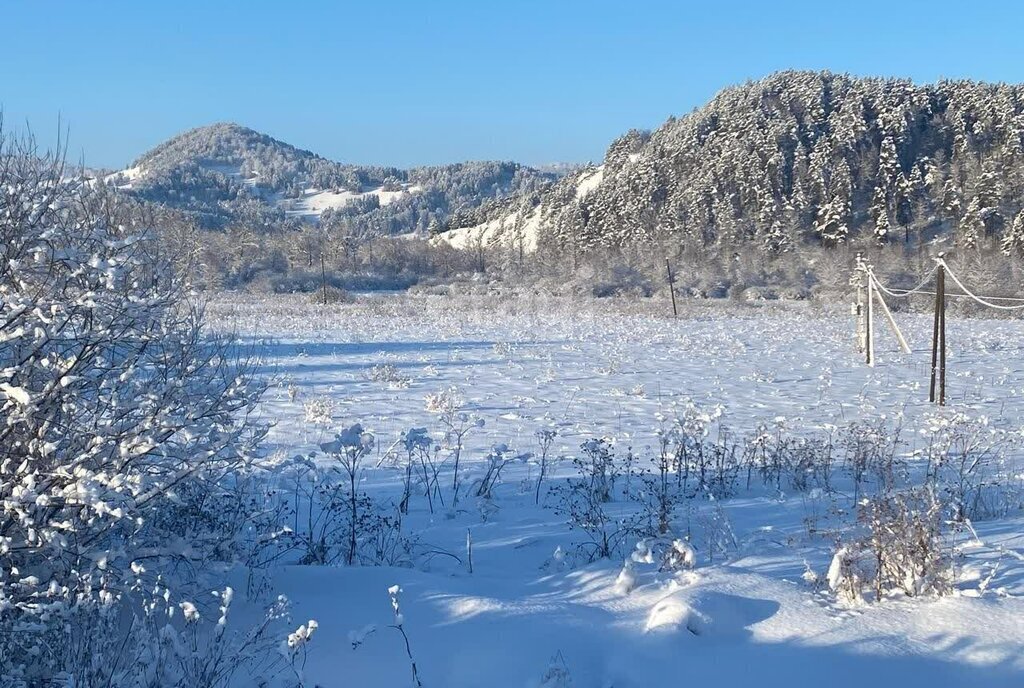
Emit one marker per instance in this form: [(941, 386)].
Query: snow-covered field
[(533, 610)]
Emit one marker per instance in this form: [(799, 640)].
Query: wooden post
[(942, 337), (859, 280), (858, 312), (671, 288), (892, 321), (939, 339), (869, 327), (323, 275)]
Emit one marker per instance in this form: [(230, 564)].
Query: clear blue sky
[(432, 81)]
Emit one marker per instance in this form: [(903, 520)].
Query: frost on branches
[(119, 417)]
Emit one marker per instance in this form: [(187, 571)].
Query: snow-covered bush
[(680, 556), (447, 404), (120, 419), (584, 501), (390, 375), (902, 550), (348, 449), (326, 519), (872, 449), (499, 457), (545, 438), (966, 458), (712, 463)]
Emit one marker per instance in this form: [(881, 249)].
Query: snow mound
[(669, 614), (709, 613)]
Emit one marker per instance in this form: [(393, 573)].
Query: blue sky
[(406, 83)]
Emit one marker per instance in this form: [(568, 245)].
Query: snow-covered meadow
[(529, 603)]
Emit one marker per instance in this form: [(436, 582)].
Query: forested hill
[(795, 158), (226, 174)]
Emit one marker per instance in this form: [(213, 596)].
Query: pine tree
[(880, 212), (972, 225), (1013, 241)]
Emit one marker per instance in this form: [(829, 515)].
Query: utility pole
[(939, 339), (671, 288), (323, 275), (857, 280)]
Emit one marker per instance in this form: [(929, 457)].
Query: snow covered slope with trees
[(794, 159)]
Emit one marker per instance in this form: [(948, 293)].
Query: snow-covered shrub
[(847, 576), (545, 438), (967, 460), (348, 449), (902, 549), (390, 375), (713, 464), (151, 639), (659, 495), (457, 425), (418, 445), (584, 500), (680, 556), (319, 411), (872, 448), (557, 674), (332, 295), (601, 468), (714, 528), (329, 520), (119, 416), (499, 457)]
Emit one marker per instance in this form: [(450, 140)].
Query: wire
[(899, 293), (966, 296), (974, 296)]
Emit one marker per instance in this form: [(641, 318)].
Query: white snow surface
[(314, 202), (599, 368), (589, 181), (515, 230)]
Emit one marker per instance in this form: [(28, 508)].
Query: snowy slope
[(314, 201), (517, 228), (514, 230)]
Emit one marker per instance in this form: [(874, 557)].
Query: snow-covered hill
[(798, 158), (225, 172)]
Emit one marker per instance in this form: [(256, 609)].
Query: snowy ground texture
[(533, 612)]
